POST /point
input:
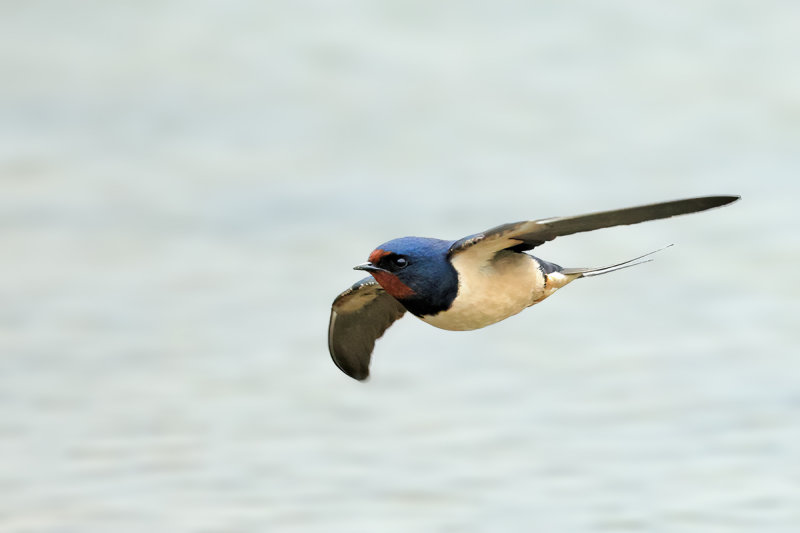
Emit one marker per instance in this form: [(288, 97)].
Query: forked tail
[(598, 271)]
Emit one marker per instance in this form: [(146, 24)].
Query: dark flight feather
[(359, 316), (521, 236)]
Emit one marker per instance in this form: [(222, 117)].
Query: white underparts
[(491, 291)]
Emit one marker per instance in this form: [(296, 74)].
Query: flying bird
[(472, 282)]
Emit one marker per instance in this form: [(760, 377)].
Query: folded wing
[(359, 316), (529, 234)]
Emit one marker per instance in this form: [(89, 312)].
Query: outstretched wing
[(359, 316), (529, 234)]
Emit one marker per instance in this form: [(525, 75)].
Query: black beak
[(369, 267)]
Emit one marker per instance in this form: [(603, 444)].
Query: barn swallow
[(472, 282)]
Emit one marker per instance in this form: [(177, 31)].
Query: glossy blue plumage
[(430, 274)]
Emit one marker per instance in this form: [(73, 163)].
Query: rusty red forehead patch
[(377, 255)]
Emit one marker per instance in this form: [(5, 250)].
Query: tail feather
[(598, 271)]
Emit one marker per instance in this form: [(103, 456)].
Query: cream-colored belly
[(489, 292)]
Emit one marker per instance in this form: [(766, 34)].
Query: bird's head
[(415, 271)]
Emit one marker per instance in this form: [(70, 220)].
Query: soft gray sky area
[(184, 188)]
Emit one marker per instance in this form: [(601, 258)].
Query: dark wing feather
[(529, 234), (359, 316)]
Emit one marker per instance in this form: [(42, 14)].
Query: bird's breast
[(490, 291)]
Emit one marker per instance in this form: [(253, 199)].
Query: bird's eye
[(399, 262)]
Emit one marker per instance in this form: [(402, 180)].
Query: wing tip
[(361, 377), (704, 203), (723, 199), (359, 374)]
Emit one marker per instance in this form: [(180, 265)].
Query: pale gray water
[(185, 188)]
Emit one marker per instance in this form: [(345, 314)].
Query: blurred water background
[(185, 187)]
